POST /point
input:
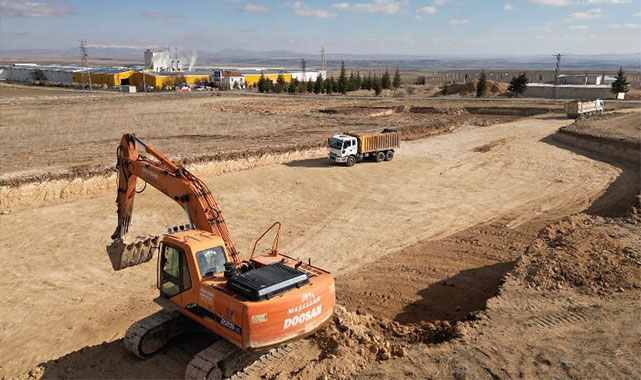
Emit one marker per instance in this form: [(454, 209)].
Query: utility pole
[(556, 76), (85, 63), (303, 65), (322, 63)]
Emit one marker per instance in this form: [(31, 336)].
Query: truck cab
[(341, 147)]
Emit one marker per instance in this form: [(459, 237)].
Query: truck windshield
[(211, 261), (336, 143)]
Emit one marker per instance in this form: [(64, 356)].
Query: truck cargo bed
[(376, 142)]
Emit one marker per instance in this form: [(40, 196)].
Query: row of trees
[(519, 84), (343, 84)]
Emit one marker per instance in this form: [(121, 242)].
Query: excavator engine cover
[(266, 282)]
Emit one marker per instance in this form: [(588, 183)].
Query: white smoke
[(173, 59), (192, 60)]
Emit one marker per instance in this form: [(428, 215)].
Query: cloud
[(609, 1), (587, 15), (554, 3), (578, 27), (458, 22), (425, 11), (637, 14), (252, 8), (32, 9), (389, 7), (627, 26), (305, 10), (438, 3), (159, 15), (509, 7), (546, 27), (340, 5)]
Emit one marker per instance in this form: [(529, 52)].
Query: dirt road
[(64, 295)]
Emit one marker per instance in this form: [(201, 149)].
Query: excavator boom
[(172, 180)]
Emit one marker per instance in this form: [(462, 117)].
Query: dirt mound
[(469, 89), (591, 254), (354, 339)]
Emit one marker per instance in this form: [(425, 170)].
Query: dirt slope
[(64, 295)]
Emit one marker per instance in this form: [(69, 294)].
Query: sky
[(417, 27)]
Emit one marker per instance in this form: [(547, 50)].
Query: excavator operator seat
[(211, 261)]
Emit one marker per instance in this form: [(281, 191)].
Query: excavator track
[(149, 335), (223, 360)]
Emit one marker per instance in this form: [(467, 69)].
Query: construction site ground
[(442, 271)]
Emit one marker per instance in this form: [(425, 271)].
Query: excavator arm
[(172, 180)]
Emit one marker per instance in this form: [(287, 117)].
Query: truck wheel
[(351, 160), (380, 156), (389, 155)]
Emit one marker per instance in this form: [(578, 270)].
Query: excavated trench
[(390, 110)]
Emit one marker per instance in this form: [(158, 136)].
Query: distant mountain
[(287, 58)]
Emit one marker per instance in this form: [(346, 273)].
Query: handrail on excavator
[(274, 244)]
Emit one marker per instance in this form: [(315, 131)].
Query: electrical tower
[(303, 65), (323, 64), (556, 76), (85, 77)]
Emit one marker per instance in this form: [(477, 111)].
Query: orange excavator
[(253, 307)]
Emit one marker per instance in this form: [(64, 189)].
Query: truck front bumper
[(337, 159)]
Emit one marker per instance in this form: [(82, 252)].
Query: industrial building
[(569, 91), (109, 76), (30, 72)]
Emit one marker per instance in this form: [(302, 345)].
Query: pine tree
[(351, 82), (481, 85), (310, 86), (386, 83), (292, 86), (329, 85), (318, 85), (377, 85), (261, 82), (359, 81), (397, 79), (446, 90), (370, 82), (621, 83), (518, 84), (342, 80)]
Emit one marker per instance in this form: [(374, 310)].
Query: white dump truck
[(350, 148), (584, 108)]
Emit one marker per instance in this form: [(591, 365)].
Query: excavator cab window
[(211, 261), (174, 275)]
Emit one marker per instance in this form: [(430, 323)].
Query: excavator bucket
[(125, 254)]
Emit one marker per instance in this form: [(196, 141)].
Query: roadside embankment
[(615, 137)]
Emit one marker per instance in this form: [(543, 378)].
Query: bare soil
[(67, 137), (421, 247), (614, 126)]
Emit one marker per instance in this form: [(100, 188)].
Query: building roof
[(569, 85), (228, 73), (109, 70)]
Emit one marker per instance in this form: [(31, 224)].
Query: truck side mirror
[(328, 140)]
